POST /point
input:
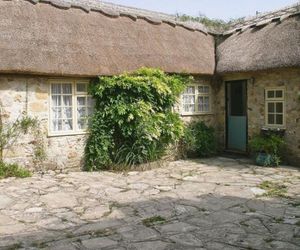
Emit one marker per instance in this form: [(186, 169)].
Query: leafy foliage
[(199, 140), (13, 170), (269, 144), (133, 122), (218, 25)]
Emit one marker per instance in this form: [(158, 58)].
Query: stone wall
[(20, 95), (28, 94), (290, 79)]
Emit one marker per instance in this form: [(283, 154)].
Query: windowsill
[(273, 128), (196, 114), (67, 134)]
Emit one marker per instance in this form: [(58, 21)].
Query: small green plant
[(218, 25), (267, 144), (155, 220), (273, 189), (268, 149), (199, 140), (10, 132), (13, 170), (133, 122)]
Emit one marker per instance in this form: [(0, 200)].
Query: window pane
[(271, 107), (56, 100), (190, 90), (67, 101), (203, 89), (189, 108), (67, 124), (61, 107), (279, 93), (67, 113), (81, 87), (81, 112), (81, 101), (56, 88), (279, 107), (57, 125), (200, 103), (90, 111), (206, 104), (271, 94), (203, 103), (189, 99), (67, 88), (90, 101), (82, 124), (56, 113), (279, 119), (271, 119)]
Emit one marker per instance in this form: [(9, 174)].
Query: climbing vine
[(133, 122)]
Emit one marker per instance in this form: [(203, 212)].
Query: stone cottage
[(247, 78)]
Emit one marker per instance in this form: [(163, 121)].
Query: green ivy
[(133, 122), (199, 140)]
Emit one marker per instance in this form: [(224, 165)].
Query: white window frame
[(74, 83), (275, 100), (197, 94)]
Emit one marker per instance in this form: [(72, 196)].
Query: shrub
[(199, 140), (13, 170), (269, 144), (133, 122)]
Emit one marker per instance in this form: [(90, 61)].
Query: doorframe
[(227, 82)]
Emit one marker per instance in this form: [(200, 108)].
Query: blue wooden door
[(237, 115)]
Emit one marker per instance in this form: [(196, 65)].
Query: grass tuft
[(155, 220), (13, 170), (273, 189)]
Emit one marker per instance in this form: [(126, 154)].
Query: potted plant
[(267, 148)]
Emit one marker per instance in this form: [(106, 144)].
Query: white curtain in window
[(62, 111)]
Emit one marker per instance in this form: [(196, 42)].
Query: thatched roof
[(89, 38), (268, 41)]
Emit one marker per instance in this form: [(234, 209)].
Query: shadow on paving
[(205, 222)]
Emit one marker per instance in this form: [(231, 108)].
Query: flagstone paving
[(196, 204)]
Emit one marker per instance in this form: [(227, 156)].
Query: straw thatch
[(268, 43), (88, 38)]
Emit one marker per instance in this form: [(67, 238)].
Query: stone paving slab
[(195, 204)]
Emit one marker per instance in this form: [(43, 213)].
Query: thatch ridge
[(264, 47), (86, 38), (263, 19), (115, 10)]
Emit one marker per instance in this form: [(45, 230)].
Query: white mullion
[(196, 98), (74, 100), (50, 106)]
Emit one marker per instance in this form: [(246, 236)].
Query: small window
[(70, 107), (275, 107), (196, 99)]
